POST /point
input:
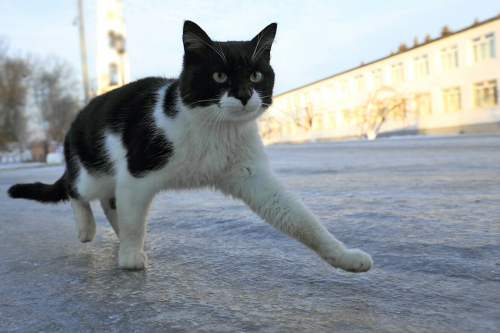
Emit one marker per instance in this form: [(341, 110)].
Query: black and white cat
[(197, 131)]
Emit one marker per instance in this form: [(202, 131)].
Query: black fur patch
[(72, 170), (126, 112), (170, 100)]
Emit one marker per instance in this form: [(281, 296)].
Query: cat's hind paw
[(355, 261), (87, 234), (133, 260)]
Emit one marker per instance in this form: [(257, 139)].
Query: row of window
[(484, 95), (481, 48)]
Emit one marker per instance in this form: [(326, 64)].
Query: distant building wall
[(113, 67), (450, 86)]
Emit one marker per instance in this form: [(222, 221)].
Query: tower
[(113, 68)]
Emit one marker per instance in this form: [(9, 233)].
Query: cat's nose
[(244, 95)]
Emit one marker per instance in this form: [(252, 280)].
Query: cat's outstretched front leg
[(133, 199), (267, 197)]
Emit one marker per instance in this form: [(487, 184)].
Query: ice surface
[(427, 210)]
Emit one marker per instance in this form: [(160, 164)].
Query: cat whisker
[(220, 121), (267, 116), (206, 117), (210, 118), (204, 100), (283, 112), (270, 115)]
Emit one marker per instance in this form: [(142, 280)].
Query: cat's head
[(233, 79)]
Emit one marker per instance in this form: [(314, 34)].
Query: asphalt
[(426, 209)]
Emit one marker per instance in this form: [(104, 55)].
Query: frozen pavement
[(426, 209)]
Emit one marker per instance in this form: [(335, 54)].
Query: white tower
[(113, 68)]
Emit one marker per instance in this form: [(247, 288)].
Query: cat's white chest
[(203, 156)]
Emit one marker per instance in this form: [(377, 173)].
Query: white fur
[(216, 147), (84, 221)]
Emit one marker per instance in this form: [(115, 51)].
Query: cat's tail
[(41, 192)]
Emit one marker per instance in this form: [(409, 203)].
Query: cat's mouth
[(236, 111)]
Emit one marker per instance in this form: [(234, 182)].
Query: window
[(358, 115), (328, 92), (291, 101), (449, 58), (316, 96), (303, 100), (113, 75), (276, 105), (330, 120), (345, 118), (297, 126), (111, 39), (344, 86), (304, 122), (285, 105), (483, 48), (422, 104), (420, 66), (398, 108), (450, 99), (359, 83), (287, 128), (397, 73), (377, 79), (275, 129), (317, 122), (485, 94)]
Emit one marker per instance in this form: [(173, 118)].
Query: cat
[(195, 131)]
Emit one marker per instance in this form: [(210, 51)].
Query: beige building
[(447, 85), (113, 68)]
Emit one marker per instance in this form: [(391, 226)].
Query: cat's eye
[(220, 77), (256, 77)]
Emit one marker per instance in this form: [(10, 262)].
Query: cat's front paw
[(355, 261), (133, 260)]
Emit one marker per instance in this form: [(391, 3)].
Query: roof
[(474, 25)]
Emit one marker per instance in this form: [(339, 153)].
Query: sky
[(315, 39)]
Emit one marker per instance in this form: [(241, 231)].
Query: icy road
[(426, 209)]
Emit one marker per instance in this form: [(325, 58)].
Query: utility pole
[(83, 51)]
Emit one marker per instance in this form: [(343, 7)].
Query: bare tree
[(14, 85), (54, 87), (384, 102), (311, 115)]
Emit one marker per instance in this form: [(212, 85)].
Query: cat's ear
[(194, 38), (263, 41)]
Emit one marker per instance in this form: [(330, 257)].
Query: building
[(113, 68), (447, 85)]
